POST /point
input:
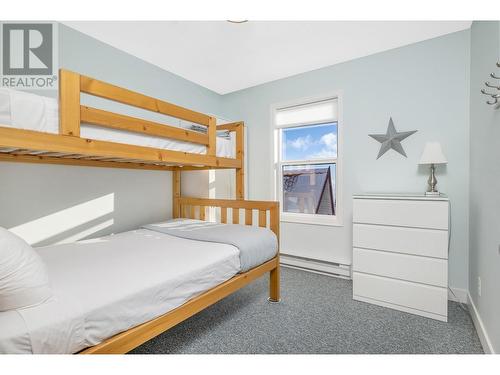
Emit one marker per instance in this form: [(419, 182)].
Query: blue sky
[(310, 142)]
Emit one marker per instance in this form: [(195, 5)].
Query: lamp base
[(432, 193), (432, 182)]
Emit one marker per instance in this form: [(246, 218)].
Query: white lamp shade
[(433, 154)]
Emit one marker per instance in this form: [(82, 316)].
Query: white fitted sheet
[(24, 110), (107, 285)]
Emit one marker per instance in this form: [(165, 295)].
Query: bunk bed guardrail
[(68, 147)]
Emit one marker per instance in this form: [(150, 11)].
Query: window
[(306, 161)]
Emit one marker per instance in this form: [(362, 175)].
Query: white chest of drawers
[(400, 253)]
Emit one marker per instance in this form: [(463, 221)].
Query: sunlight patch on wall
[(87, 232), (59, 222)]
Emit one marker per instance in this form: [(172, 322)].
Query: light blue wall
[(29, 192), (485, 180), (424, 86)]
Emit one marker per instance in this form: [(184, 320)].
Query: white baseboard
[(480, 328), (458, 295)]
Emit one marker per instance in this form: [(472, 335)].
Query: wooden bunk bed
[(68, 148)]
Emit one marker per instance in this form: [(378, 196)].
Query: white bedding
[(23, 110), (121, 281)]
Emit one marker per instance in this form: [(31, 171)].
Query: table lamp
[(433, 154)]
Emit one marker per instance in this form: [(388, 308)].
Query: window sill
[(330, 221)]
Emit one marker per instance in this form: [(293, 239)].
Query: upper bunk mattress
[(23, 110), (121, 281)]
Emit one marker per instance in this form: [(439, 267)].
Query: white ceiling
[(227, 57)]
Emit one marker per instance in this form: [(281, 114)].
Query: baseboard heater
[(318, 266)]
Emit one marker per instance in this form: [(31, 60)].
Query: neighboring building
[(308, 191)]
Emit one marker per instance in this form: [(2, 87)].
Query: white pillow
[(23, 277)]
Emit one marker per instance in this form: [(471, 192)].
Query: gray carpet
[(316, 315)]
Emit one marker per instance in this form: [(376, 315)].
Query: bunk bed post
[(274, 275), (69, 103), (212, 136), (240, 155), (176, 193)]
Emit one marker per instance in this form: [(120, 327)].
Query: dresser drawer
[(419, 269), (407, 213), (425, 242), (401, 294)]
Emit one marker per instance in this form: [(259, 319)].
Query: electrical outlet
[(479, 286)]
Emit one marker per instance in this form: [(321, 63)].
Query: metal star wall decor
[(392, 139)]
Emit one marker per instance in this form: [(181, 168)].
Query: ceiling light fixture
[(237, 21)]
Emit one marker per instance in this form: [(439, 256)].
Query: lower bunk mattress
[(120, 281), (22, 110)]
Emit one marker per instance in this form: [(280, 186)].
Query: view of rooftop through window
[(309, 188), (307, 135)]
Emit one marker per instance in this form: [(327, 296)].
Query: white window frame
[(276, 151)]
